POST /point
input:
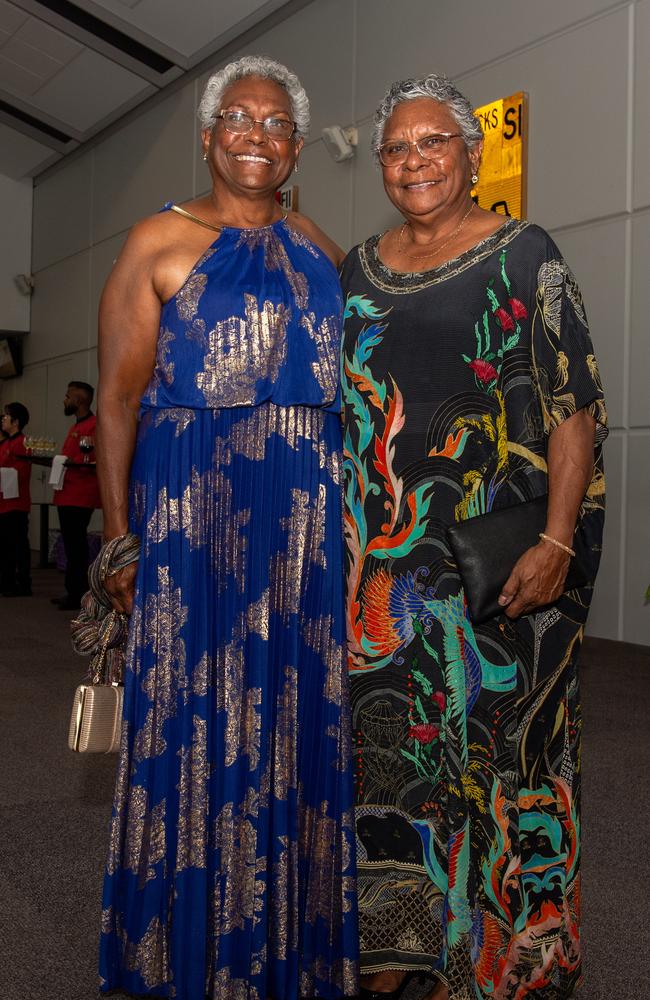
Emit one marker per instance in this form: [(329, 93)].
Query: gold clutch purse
[(96, 719)]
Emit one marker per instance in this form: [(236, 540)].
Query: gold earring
[(205, 157)]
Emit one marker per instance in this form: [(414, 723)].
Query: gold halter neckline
[(217, 229)]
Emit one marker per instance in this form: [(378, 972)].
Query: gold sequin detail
[(306, 533), (150, 956), (200, 676), (187, 299), (276, 258), (257, 616), (193, 800), (285, 765), (163, 373), (119, 805), (164, 617), (240, 352), (241, 885), (144, 842), (317, 633), (227, 988), (325, 336), (178, 415)]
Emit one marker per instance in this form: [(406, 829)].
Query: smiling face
[(252, 162), (421, 188)]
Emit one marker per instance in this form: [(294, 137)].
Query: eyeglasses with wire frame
[(239, 123), (430, 147)]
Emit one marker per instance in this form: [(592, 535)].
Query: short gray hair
[(263, 67), (437, 87)]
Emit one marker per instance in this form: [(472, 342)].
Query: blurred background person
[(15, 504), (78, 495)]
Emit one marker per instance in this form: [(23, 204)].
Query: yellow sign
[(504, 166)]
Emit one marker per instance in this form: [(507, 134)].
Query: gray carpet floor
[(55, 808)]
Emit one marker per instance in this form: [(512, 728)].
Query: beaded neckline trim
[(399, 282)]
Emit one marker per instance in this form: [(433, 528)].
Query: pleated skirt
[(231, 864)]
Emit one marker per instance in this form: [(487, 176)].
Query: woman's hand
[(537, 579), (121, 588)]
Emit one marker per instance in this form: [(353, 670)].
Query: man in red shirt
[(78, 495), (15, 504)]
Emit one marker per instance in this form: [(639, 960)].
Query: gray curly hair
[(439, 88), (266, 68)]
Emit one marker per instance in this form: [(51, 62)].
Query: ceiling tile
[(11, 17), (46, 38), (16, 79), (20, 155), (33, 60), (167, 21), (70, 98)]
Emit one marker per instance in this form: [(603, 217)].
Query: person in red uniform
[(79, 494), (15, 554)]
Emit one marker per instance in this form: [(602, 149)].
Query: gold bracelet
[(554, 541)]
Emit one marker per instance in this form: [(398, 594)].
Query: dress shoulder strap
[(194, 218)]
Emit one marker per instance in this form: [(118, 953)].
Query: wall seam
[(627, 321)]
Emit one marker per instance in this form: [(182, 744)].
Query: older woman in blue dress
[(230, 870)]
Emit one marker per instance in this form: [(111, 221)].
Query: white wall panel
[(144, 165), (603, 618), (372, 211), (636, 618), (15, 251), (573, 175), (640, 339), (596, 255), (400, 40), (317, 44), (641, 121), (62, 206), (102, 257), (59, 309), (325, 191)]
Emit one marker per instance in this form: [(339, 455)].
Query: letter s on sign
[(512, 121)]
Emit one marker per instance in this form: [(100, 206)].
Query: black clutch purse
[(487, 547)]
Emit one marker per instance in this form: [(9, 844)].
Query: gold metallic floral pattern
[(193, 800), (241, 351), (144, 844), (305, 531), (285, 763), (277, 259), (181, 416), (164, 371), (188, 297), (150, 956), (241, 884), (164, 617), (324, 335), (317, 633)]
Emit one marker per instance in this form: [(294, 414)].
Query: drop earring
[(295, 167), (205, 157), (474, 178)]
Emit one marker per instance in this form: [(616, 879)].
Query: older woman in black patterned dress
[(470, 384)]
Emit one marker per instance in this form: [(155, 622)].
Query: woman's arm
[(538, 577), (129, 317)]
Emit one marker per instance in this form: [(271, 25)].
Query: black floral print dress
[(467, 750)]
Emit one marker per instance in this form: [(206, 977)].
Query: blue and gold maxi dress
[(231, 864)]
